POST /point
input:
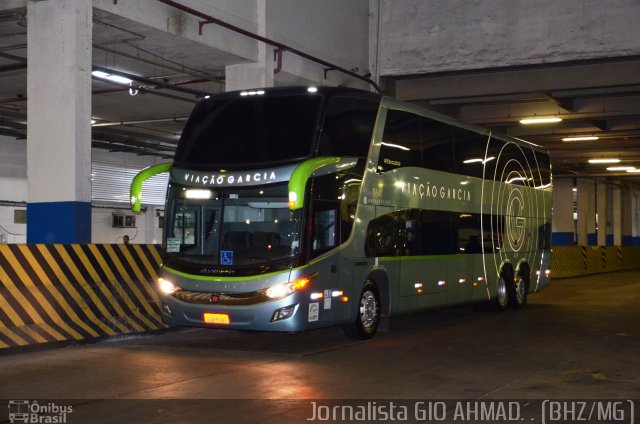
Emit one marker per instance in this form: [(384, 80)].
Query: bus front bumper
[(289, 314)]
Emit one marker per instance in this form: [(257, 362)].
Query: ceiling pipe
[(212, 20)]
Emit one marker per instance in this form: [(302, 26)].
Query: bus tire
[(502, 291), (368, 314), (520, 291)]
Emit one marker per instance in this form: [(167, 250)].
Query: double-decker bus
[(290, 209)]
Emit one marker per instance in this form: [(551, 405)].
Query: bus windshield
[(243, 130), (235, 226)]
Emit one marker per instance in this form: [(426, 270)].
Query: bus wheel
[(368, 317), (502, 297), (520, 291)]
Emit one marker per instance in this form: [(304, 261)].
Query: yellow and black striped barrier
[(573, 261), (57, 293)]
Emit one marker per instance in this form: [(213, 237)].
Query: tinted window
[(437, 145), (249, 129), (513, 167), (400, 141), (334, 201), (544, 168), (348, 127), (469, 152), (415, 232)]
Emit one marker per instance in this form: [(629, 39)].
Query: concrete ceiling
[(600, 98), (593, 98)]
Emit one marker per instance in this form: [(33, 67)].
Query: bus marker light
[(547, 272), (211, 318), (418, 287), (345, 298), (481, 278), (442, 282), (293, 197), (475, 284), (462, 280), (316, 296), (337, 293)]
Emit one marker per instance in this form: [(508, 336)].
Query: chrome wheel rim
[(368, 309), (502, 291)]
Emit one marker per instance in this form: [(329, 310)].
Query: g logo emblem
[(516, 224)]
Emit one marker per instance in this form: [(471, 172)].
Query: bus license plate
[(210, 318)]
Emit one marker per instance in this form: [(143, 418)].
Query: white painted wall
[(420, 36), (13, 189)]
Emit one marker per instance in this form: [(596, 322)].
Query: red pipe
[(211, 19)]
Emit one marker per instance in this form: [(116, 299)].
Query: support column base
[(59, 222)]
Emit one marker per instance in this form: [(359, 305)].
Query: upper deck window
[(249, 130)]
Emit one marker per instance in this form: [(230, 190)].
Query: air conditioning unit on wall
[(123, 221)]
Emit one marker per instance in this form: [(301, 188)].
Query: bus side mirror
[(141, 177)]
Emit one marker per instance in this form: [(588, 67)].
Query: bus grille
[(203, 298)]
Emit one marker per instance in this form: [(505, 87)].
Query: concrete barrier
[(58, 293), (573, 261)]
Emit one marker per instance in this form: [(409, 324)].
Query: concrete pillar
[(253, 75), (59, 121), (601, 206), (635, 218), (562, 224), (609, 215), (150, 225), (586, 212), (627, 216), (617, 215)]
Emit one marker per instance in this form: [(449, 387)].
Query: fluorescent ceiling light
[(621, 168), (604, 160), (547, 120), (583, 138), (397, 146), (312, 89), (633, 170), (112, 77)]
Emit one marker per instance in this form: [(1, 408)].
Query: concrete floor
[(580, 338)]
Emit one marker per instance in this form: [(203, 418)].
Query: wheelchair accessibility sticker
[(226, 257)]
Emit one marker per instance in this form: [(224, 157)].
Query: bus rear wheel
[(502, 296), (368, 316), (520, 291)]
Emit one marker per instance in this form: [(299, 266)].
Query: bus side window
[(400, 145), (335, 197), (469, 152), (348, 127), (437, 145), (325, 231)]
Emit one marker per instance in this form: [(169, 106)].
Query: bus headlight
[(167, 287), (281, 290)]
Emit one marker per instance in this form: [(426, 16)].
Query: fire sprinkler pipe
[(212, 20)]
